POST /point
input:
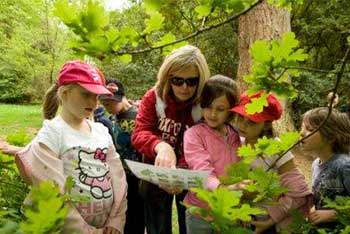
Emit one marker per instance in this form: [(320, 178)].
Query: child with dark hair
[(331, 169), (254, 126), (122, 122), (211, 145)]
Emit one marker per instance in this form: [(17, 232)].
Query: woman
[(165, 112)]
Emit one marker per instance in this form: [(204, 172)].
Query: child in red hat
[(69, 144), (254, 126)]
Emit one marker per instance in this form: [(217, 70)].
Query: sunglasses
[(179, 81)]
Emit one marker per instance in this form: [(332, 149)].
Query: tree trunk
[(264, 22)]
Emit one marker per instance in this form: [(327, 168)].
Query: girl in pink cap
[(69, 144), (251, 128)]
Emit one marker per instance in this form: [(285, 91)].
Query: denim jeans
[(197, 225), (158, 208)]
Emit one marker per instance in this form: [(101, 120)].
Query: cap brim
[(96, 89), (257, 118), (116, 98)]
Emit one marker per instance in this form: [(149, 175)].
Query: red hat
[(271, 112), (88, 77)]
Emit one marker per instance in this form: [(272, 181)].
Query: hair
[(336, 129), (217, 86), (179, 60), (52, 99)]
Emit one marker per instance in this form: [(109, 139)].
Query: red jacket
[(162, 121)]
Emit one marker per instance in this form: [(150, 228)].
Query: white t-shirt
[(84, 158)]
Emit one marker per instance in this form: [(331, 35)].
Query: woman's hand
[(261, 226), (322, 216), (165, 155), (171, 189)]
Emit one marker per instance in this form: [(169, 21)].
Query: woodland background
[(34, 44)]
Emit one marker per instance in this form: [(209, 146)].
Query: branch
[(315, 69), (330, 107), (200, 31)]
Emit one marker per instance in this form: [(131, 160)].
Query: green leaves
[(47, 212), (342, 206), (154, 23), (257, 105), (225, 209), (271, 62)]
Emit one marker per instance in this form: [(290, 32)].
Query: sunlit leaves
[(154, 23), (125, 58), (257, 104), (225, 209), (47, 212), (285, 3), (266, 184), (270, 70), (202, 10), (342, 206)]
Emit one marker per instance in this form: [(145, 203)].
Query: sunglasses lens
[(179, 81), (192, 81)]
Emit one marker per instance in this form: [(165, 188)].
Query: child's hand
[(261, 226), (9, 149), (110, 230), (239, 186), (322, 216)]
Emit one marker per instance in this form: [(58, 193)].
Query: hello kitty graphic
[(93, 171)]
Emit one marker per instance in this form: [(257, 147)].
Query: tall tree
[(264, 22)]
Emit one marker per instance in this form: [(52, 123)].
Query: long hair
[(336, 129), (52, 99), (181, 59)]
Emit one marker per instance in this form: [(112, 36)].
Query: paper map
[(178, 177)]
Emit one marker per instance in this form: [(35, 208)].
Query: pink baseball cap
[(88, 77), (271, 112)]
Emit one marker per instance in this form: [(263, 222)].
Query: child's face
[(184, 92), (315, 142), (78, 102), (217, 113), (249, 129), (112, 106)]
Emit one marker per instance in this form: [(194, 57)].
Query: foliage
[(32, 44), (271, 61), (342, 207), (225, 208), (47, 211), (18, 138)]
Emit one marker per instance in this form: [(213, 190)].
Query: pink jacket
[(299, 197), (206, 150), (34, 157)]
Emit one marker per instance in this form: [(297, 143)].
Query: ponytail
[(50, 105)]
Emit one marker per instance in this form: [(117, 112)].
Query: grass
[(19, 117)]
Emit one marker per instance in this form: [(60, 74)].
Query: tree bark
[(264, 22)]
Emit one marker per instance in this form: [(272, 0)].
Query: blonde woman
[(165, 112)]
